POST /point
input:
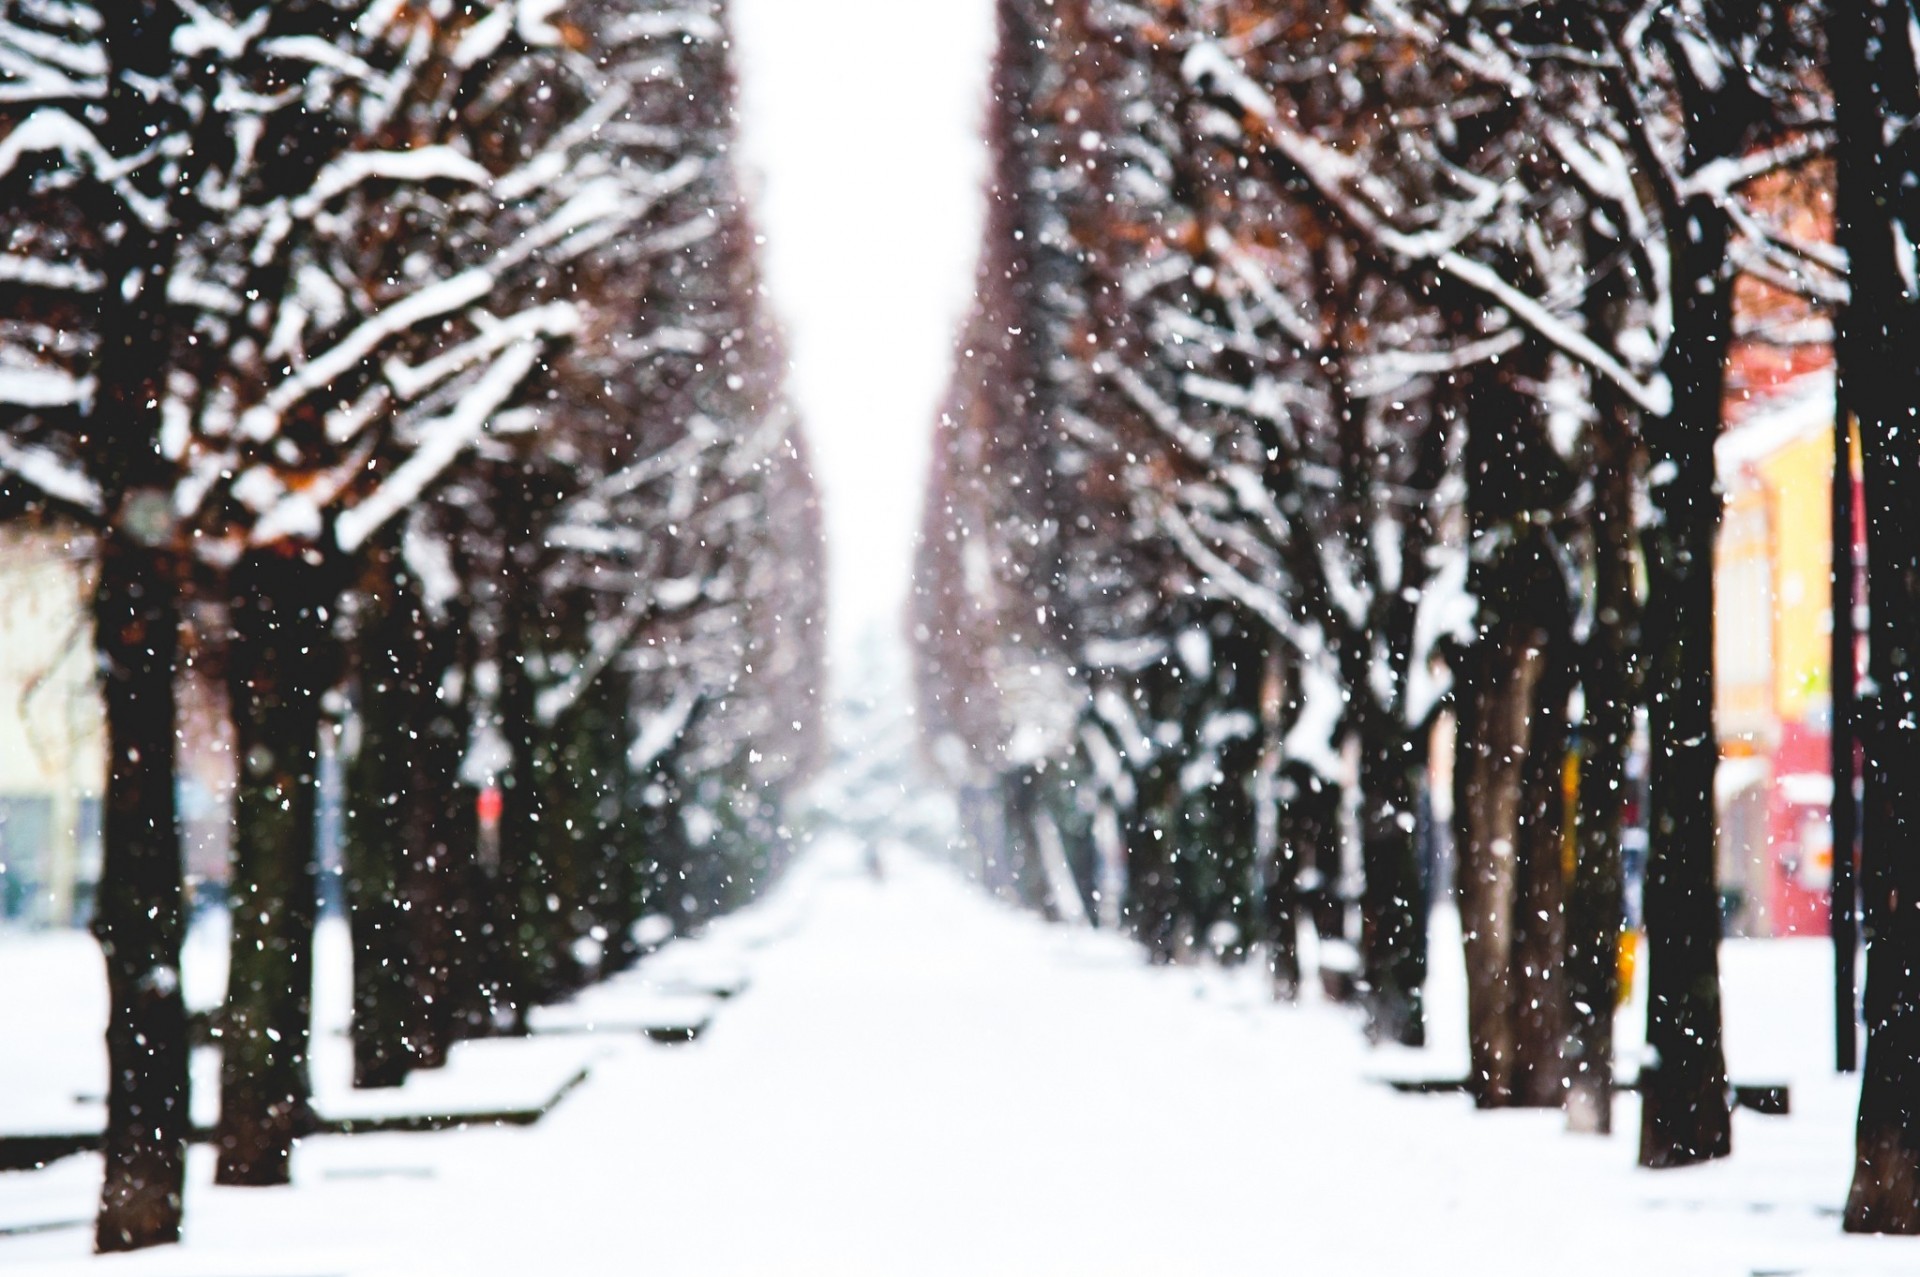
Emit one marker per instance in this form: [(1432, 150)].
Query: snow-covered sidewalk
[(914, 1080)]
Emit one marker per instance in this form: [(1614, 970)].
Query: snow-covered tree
[(284, 271), (1374, 329), (1670, 113)]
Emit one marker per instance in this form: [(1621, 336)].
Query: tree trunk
[(535, 963), (1595, 908), (400, 853), (1026, 877), (1505, 676), (139, 916), (438, 829), (1491, 749), (1240, 664), (278, 667), (596, 732), (1393, 933), (1295, 883), (1280, 883), (1536, 966), (1281, 901), (383, 711), (1152, 902), (1684, 1109), (523, 932), (1872, 72), (1311, 826)]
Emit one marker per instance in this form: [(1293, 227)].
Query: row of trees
[(1340, 369), (405, 364)]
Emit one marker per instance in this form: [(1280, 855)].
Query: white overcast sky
[(860, 134)]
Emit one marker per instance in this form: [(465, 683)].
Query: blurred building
[(52, 738), (1774, 627)]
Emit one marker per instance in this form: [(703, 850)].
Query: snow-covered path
[(918, 1082)]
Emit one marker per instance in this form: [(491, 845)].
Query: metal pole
[(1844, 909)]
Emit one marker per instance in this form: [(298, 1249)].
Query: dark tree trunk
[(1280, 886), (523, 923), (1872, 72), (1487, 789), (139, 916), (605, 830), (1073, 817), (1393, 902), (1025, 874), (402, 853), (1282, 919), (1505, 676), (1595, 908), (535, 961), (1843, 662), (1313, 819), (437, 832), (449, 815), (279, 664), (1239, 668), (1151, 907), (1536, 965), (1309, 852), (1684, 1107), (1393, 752), (980, 818), (1152, 903), (385, 706)]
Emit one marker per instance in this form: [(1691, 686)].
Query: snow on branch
[(34, 272), (1655, 395), (1802, 267), (49, 130), (1447, 613), (660, 732), (320, 53), (1332, 176), (411, 381), (1388, 371), (36, 66), (533, 21), (1719, 178), (1266, 399), (417, 165), (442, 442), (43, 388), (1161, 413), (204, 32), (608, 643), (54, 477), (1305, 335), (1224, 578), (702, 436), (683, 23), (441, 298), (1312, 741)]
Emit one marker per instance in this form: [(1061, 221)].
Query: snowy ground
[(914, 1080)]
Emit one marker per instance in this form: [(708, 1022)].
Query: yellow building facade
[(1773, 630)]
